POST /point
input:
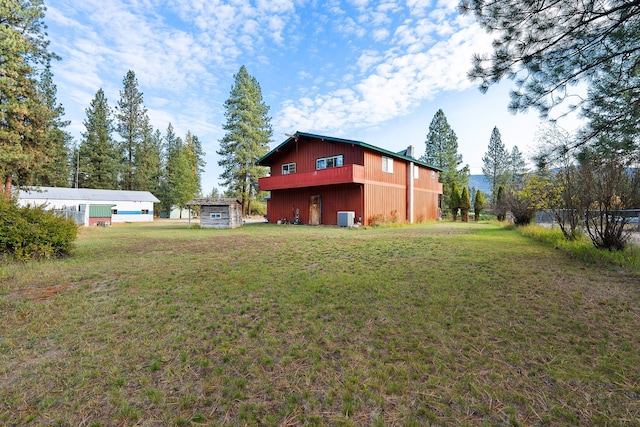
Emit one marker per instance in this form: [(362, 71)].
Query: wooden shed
[(219, 213)]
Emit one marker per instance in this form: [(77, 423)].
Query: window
[(114, 211), (216, 215), (416, 172), (387, 164), (433, 174), (144, 211), (288, 168), (329, 162)]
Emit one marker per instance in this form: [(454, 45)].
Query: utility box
[(346, 218)]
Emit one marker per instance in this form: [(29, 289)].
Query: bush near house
[(28, 233)]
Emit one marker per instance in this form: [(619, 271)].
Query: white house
[(98, 206)]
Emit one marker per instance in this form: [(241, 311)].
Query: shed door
[(315, 210)]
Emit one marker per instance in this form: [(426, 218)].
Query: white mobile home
[(99, 206)]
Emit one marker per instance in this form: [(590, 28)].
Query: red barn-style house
[(313, 178)]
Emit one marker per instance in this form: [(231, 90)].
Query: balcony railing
[(346, 174)]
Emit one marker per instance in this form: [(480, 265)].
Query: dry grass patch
[(284, 325)]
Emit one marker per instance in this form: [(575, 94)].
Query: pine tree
[(182, 181), (195, 155), (478, 204), (52, 169), (500, 208), (131, 125), (550, 46), (517, 165), (24, 116), (465, 204), (173, 147), (495, 163), (98, 155), (442, 152), (454, 200), (148, 168), (248, 132)]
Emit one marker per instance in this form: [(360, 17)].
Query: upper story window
[(387, 164), (433, 174), (329, 162), (288, 168), (416, 172)]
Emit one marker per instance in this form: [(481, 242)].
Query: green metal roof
[(100, 211), (401, 155)]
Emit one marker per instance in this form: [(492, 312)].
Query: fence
[(76, 216), (631, 216)]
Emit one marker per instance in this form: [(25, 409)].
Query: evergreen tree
[(24, 116), (58, 174), (173, 146), (442, 152), (500, 208), (98, 155), (496, 163), (52, 169), (613, 112), (454, 200), (148, 170), (465, 204), (517, 165), (248, 132), (550, 46), (182, 180), (478, 204), (132, 121), (195, 155)]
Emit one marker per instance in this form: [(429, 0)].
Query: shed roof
[(212, 202), (86, 194), (265, 160)]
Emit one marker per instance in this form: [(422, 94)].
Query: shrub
[(478, 204), (34, 233)]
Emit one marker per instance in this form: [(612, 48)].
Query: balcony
[(347, 174)]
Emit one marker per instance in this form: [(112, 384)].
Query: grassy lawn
[(445, 324)]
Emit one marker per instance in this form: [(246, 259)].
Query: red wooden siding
[(335, 198), (305, 151), (339, 175), (385, 202), (359, 185)]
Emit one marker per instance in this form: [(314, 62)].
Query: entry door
[(315, 210)]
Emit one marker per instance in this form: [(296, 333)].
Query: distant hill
[(479, 183)]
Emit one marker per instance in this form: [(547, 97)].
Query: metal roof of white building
[(87, 194)]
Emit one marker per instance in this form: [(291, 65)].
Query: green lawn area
[(445, 324)]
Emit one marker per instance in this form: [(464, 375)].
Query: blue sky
[(373, 71)]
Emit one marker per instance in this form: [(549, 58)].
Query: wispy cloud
[(419, 64), (328, 66)]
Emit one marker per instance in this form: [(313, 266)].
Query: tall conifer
[(97, 163), (442, 152), (248, 132), (131, 125)]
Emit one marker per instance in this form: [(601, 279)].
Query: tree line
[(547, 48), (119, 149), (143, 159)]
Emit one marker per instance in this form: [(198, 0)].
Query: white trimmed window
[(329, 162), (216, 215), (416, 172), (387, 164), (433, 174), (288, 168)]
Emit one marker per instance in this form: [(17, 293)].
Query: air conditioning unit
[(346, 218)]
